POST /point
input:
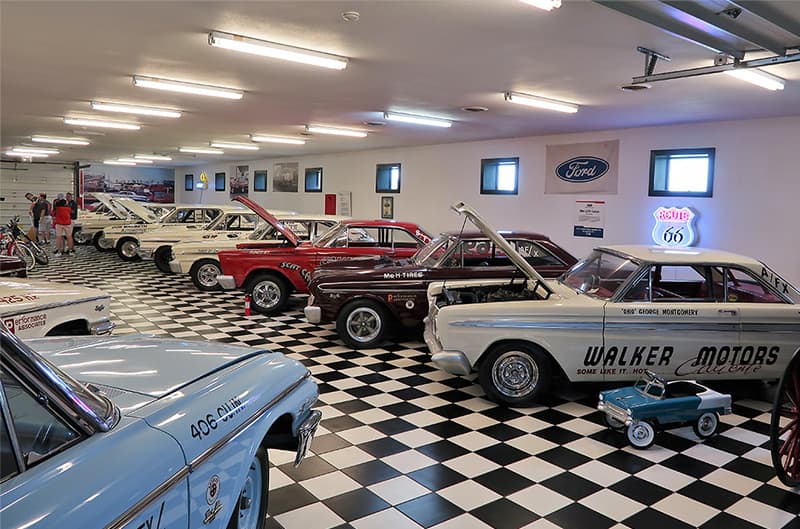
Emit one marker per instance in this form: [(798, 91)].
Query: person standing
[(73, 206), (63, 223), (42, 219)]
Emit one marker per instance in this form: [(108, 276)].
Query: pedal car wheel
[(250, 511), (706, 425), (641, 435), (785, 426), (613, 423), (515, 373)]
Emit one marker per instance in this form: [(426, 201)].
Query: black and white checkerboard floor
[(404, 445)]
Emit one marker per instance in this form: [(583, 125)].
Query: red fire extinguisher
[(247, 305)]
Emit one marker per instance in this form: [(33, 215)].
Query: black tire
[(269, 293), (97, 242), (784, 430), (242, 517), (362, 324), (201, 273), (80, 237), (613, 423), (39, 254), (706, 425), (515, 373), (641, 435), (162, 256), (25, 253), (126, 249)]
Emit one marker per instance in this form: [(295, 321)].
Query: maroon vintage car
[(365, 298), (11, 265)]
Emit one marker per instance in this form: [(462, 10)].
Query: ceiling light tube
[(201, 150), (319, 129), (187, 88), (547, 5), (156, 157), (118, 162), (86, 122), (133, 160), (274, 50), (65, 141), (541, 102), (417, 120), (758, 77), (34, 150), (26, 154), (236, 146), (132, 109), (276, 139)]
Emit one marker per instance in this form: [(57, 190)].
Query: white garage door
[(16, 179)]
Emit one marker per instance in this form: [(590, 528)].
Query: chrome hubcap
[(707, 424), (515, 374), (266, 294), (364, 324), (207, 275), (129, 248), (102, 242), (640, 433)]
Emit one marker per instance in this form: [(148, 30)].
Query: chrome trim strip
[(515, 324), (57, 304), (782, 328), (675, 326)]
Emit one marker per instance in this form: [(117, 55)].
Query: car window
[(8, 462), (743, 287), (681, 283), (534, 253), (207, 215), (184, 216), (39, 432), (600, 274)]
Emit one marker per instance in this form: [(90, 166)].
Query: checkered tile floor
[(403, 445)]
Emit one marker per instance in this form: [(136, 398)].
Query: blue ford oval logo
[(582, 169)]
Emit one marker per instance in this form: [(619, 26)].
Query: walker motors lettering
[(640, 355), (725, 360)]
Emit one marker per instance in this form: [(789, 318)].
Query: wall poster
[(240, 181), (285, 177), (589, 219), (387, 207), (582, 168)]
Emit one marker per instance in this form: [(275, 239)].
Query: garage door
[(16, 179)]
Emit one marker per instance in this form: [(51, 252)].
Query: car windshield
[(600, 274), (327, 239), (430, 254)]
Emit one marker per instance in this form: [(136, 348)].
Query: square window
[(387, 178), (219, 181), (188, 182), (499, 176), (260, 181), (314, 180), (682, 173)]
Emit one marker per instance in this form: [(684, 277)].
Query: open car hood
[(288, 234), (106, 200), (500, 242), (138, 209)]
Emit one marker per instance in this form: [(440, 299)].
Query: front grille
[(616, 412)]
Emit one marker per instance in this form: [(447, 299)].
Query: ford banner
[(582, 168)]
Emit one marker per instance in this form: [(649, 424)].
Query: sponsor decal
[(152, 522), (9, 323), (305, 274), (212, 490), (18, 298), (403, 275), (406, 299), (212, 513), (99, 308), (772, 278), (409, 304), (659, 312), (421, 236), (674, 227), (639, 355), (208, 423), (729, 359), (334, 258), (23, 323), (582, 169)]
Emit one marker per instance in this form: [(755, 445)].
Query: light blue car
[(158, 432), (653, 403)]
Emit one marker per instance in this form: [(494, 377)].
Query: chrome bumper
[(313, 314), (305, 434), (226, 282), (454, 362), (102, 327), (615, 412)]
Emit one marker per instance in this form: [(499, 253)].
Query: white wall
[(753, 210), (16, 179)]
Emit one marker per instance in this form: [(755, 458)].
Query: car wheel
[(613, 422), (362, 324), (126, 249), (204, 274), (641, 435), (80, 237), (515, 373), (162, 257), (250, 511), (784, 432), (269, 293), (706, 425), (100, 242)]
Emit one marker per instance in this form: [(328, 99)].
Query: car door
[(671, 321)]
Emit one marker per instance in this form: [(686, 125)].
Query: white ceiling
[(429, 57)]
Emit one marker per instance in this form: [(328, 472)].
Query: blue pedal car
[(653, 404)]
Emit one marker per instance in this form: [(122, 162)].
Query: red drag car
[(269, 274)]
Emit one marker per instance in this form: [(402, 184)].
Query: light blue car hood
[(145, 365), (626, 398)]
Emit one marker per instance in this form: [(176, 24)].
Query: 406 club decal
[(673, 227)]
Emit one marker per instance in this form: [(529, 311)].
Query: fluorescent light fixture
[(133, 160), (133, 109), (34, 150), (201, 150), (540, 102), (236, 146), (276, 51), (26, 154), (417, 120), (117, 162), (187, 88), (87, 122), (276, 139), (156, 157), (547, 5), (758, 77), (65, 141), (320, 129)]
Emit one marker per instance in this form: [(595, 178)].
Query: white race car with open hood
[(110, 213), (681, 313)]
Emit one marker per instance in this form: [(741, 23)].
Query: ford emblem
[(582, 169)]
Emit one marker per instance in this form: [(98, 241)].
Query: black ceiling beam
[(728, 25), (770, 14)]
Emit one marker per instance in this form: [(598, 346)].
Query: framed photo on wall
[(260, 180), (285, 178), (387, 207), (219, 181), (188, 182)]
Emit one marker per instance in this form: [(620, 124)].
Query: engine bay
[(512, 291)]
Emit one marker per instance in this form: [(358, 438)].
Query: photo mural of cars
[(269, 274), (143, 432), (681, 313), (367, 298), (654, 404)]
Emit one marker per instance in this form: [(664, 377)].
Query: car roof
[(508, 234), (663, 254), (410, 226)]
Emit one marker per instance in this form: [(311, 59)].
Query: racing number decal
[(203, 426)]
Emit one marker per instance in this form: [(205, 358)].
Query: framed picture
[(387, 207), (188, 182), (219, 181), (240, 182), (260, 180), (285, 177)]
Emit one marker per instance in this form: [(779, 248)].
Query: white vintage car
[(32, 309), (681, 313), (110, 213)]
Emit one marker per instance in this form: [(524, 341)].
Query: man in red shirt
[(63, 223)]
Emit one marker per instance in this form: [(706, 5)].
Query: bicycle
[(10, 246), (22, 239)]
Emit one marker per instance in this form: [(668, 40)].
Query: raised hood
[(488, 230), (138, 209), (21, 295), (288, 234), (107, 201)]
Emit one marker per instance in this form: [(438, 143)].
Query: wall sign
[(674, 227), (582, 168), (589, 219)]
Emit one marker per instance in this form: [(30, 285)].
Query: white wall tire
[(706, 425), (641, 435)]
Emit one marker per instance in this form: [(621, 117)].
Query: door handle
[(732, 312)]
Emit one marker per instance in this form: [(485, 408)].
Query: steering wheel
[(590, 283)]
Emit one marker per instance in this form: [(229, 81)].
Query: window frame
[(496, 162), (379, 167), (708, 193), (188, 182), (319, 175), (256, 187), (217, 178)]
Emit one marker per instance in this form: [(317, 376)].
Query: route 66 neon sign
[(674, 227)]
